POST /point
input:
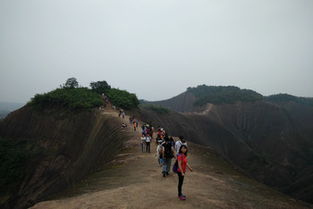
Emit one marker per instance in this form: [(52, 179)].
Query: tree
[(71, 83), (100, 86)]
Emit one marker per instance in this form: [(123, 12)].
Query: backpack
[(175, 166), (168, 153)]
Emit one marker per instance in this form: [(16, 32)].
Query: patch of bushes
[(100, 87), (122, 98), (72, 98), (222, 95), (155, 108)]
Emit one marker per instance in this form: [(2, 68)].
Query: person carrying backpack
[(159, 153), (182, 164), (168, 154), (179, 143), (148, 140), (143, 143)]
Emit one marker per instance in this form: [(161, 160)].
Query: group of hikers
[(167, 149)]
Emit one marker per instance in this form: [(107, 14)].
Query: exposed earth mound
[(68, 146)]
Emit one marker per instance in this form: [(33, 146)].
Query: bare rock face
[(73, 144), (268, 141)]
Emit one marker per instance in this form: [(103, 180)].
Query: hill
[(269, 139), (67, 143), (58, 141), (133, 180), (196, 99)]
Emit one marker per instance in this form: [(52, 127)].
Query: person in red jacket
[(182, 165)]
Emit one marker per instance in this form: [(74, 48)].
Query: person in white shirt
[(159, 153), (180, 142), (148, 140)]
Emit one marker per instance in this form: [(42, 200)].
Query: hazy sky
[(156, 49)]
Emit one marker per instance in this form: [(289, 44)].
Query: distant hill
[(283, 98), (196, 99), (222, 95)]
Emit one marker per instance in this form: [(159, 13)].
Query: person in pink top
[(182, 165)]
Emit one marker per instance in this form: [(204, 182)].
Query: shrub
[(100, 87), (72, 98), (123, 99), (71, 83)]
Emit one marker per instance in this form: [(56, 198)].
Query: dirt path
[(134, 181)]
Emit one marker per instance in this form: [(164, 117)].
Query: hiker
[(123, 114), (172, 142), (181, 141), (134, 125), (181, 169), (151, 131), (143, 143), (148, 140), (168, 154), (143, 129), (159, 153)]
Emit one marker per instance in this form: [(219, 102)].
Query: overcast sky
[(156, 49)]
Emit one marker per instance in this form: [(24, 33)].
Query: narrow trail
[(134, 181)]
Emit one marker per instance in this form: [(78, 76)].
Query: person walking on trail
[(181, 170), (181, 141), (135, 125), (168, 154), (159, 153), (143, 143), (172, 142), (148, 140)]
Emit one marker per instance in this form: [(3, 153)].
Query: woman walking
[(182, 164)]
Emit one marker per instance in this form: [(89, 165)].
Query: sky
[(156, 49)]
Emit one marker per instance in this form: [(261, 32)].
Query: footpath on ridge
[(134, 181)]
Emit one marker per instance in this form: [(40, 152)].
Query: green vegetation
[(72, 98), (100, 87), (15, 156), (223, 95), (155, 108), (77, 98), (280, 98), (123, 99), (71, 83)]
